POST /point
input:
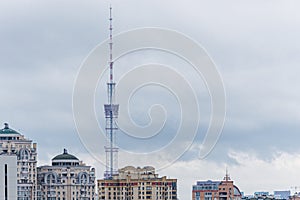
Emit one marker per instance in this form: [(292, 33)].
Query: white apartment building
[(13, 143), (8, 177), (66, 179)]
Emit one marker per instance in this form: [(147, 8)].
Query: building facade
[(284, 195), (13, 143), (137, 183), (8, 177), (261, 194), (66, 179), (278, 195), (216, 190)]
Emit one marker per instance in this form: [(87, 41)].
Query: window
[(5, 182), (24, 154), (51, 178)]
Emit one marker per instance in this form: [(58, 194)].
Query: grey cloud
[(254, 44)]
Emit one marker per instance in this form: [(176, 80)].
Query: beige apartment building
[(66, 178), (13, 143), (137, 183)]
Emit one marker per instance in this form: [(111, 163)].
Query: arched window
[(50, 178), (24, 154), (83, 178)]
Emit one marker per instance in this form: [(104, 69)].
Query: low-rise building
[(295, 196), (282, 195), (261, 194)]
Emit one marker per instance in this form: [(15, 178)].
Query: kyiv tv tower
[(111, 115)]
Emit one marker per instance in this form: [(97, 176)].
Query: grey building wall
[(8, 177)]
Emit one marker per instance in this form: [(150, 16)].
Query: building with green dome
[(66, 178), (13, 143)]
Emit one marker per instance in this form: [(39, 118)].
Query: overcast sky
[(254, 44)]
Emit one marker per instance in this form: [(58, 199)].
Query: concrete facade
[(216, 190), (13, 143), (8, 177), (137, 183), (66, 179)]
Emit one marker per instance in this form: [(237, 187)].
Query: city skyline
[(254, 45)]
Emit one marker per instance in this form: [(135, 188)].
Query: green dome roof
[(7, 130), (65, 156)]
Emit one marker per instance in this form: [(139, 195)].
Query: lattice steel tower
[(111, 114)]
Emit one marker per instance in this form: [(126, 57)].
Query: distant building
[(216, 190), (261, 194), (284, 195), (252, 197), (66, 179), (8, 177), (295, 196), (278, 195), (248, 197), (13, 143), (137, 183)]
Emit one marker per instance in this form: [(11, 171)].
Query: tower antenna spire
[(111, 114), (227, 177), (110, 45)]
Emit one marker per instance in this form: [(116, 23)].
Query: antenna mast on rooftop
[(227, 177)]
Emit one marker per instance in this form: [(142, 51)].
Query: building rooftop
[(64, 156), (7, 130)]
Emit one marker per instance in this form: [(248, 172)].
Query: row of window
[(139, 188), (143, 197), (64, 193), (140, 193)]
